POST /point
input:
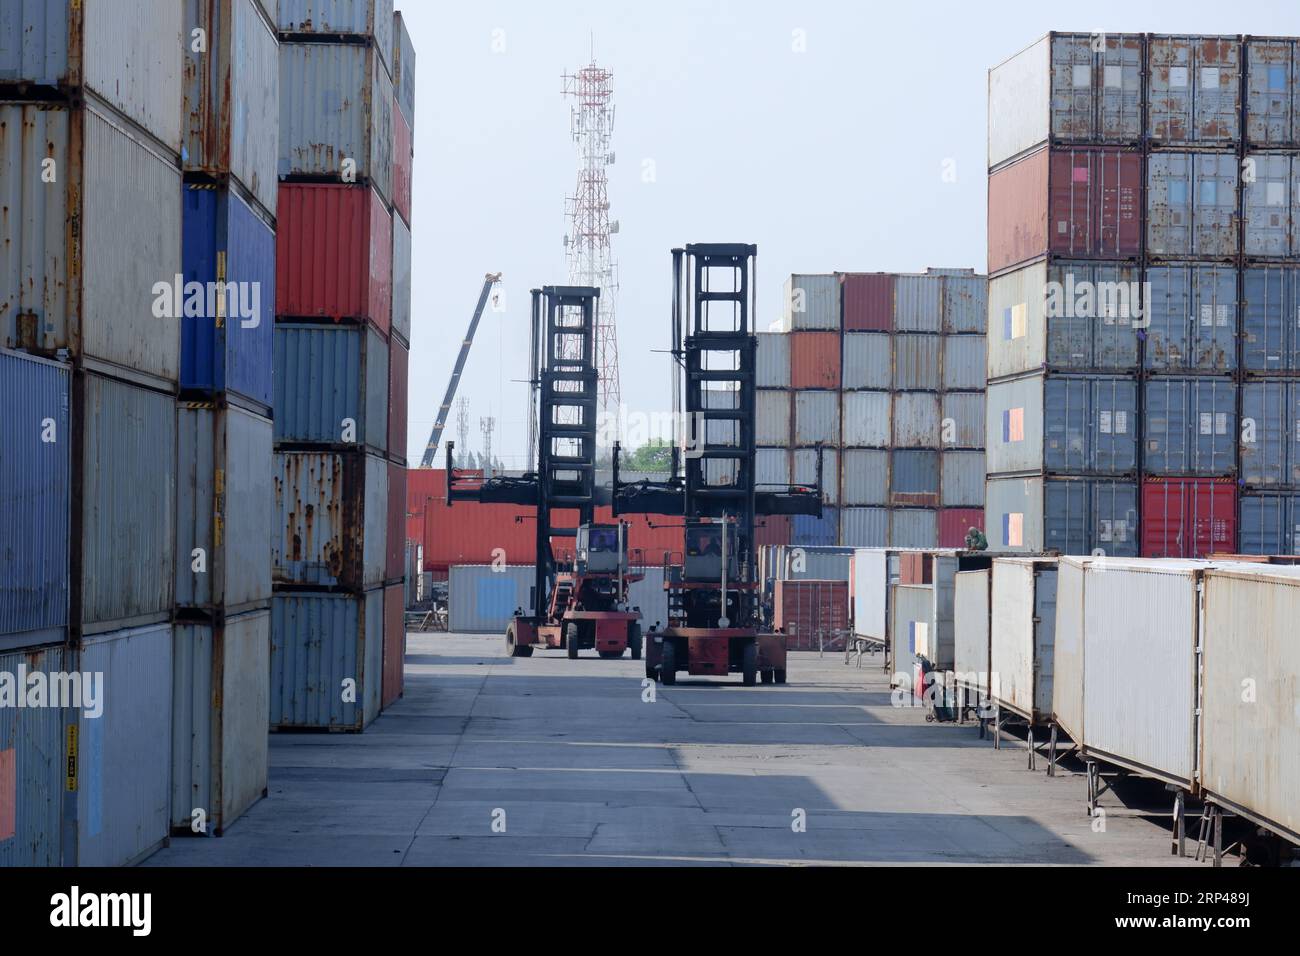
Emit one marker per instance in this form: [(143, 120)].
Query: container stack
[(1142, 244), (886, 373), (338, 585), (225, 493), (88, 377)]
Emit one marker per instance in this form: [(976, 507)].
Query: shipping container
[(90, 259), (807, 563), (1193, 321), (1067, 653), (871, 592), (772, 466), (1188, 518), (403, 69), (1065, 316), (1064, 515), (916, 420), (864, 527), (326, 660), (815, 360), (864, 477), (35, 495), (962, 424), (965, 364), (1192, 205), (1195, 90), (772, 364), (1191, 426), (225, 507), (1272, 75), (1067, 87), (124, 566), (340, 18), (220, 709), (331, 385), (769, 530), (804, 472), (232, 95), (918, 361), (333, 254), (1270, 433), (1080, 203), (649, 597), (868, 301), (812, 614), (395, 533), (961, 479), (971, 613), (401, 280), (32, 766), (812, 302), (1271, 183), (965, 303), (414, 592), (914, 478), (123, 766), (913, 527), (1270, 524), (956, 523), (483, 598), (1247, 746), (1062, 424), (813, 531), (868, 359), (1023, 630), (403, 162), (1270, 319), (918, 303), (394, 662), (911, 630), (772, 409), (866, 419), (816, 418), (398, 390), (226, 340), (128, 51)]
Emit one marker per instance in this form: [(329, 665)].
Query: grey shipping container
[(648, 595), (965, 363), (1190, 426), (1062, 424), (326, 660), (1195, 90), (864, 527), (232, 95), (85, 256), (336, 114), (962, 479), (804, 471), (1270, 319), (32, 766), (401, 280), (866, 419), (126, 559), (1066, 515), (772, 366), (331, 18), (1193, 318), (809, 562), (1269, 524), (914, 478), (918, 303), (962, 424), (1270, 434), (1272, 71), (220, 714), (864, 478), (1272, 197), (483, 598), (913, 528), (331, 513), (123, 767), (772, 466), (1192, 205), (403, 69), (772, 408), (915, 420), (816, 418), (225, 506), (965, 303), (35, 495), (812, 302), (867, 358), (331, 382), (916, 361), (1023, 629), (127, 51)]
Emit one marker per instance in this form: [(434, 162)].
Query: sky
[(837, 136)]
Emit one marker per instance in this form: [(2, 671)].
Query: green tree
[(656, 455)]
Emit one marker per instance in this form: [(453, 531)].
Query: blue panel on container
[(1193, 318), (1268, 524), (325, 374), (810, 530), (1271, 319), (1090, 425), (1190, 426), (495, 597), (92, 775), (911, 637)]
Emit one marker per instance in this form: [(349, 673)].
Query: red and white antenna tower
[(587, 245)]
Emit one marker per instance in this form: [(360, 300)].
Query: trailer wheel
[(749, 665), (634, 640), (571, 640), (668, 665), (765, 676), (778, 675), (514, 649)]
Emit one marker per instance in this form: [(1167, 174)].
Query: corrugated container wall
[(812, 302), (963, 420), (1272, 72), (868, 301), (1192, 205), (813, 531), (815, 360), (868, 358), (964, 362), (864, 477), (918, 303), (773, 360), (395, 525), (32, 768), (482, 598), (864, 527), (1195, 90), (399, 358), (1190, 426), (917, 361), (816, 418), (327, 377), (1193, 321), (772, 408), (971, 629), (956, 523), (1270, 524), (866, 419), (1062, 424), (394, 646), (916, 420), (913, 528), (1271, 204), (962, 479), (812, 613), (1270, 434), (804, 472), (403, 161), (1023, 628), (401, 280), (370, 18), (404, 69), (1270, 331), (1068, 515), (1188, 518)]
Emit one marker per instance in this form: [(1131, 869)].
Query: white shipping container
[(649, 596), (1067, 680), (871, 593), (816, 418), (864, 527), (772, 466), (1022, 629), (971, 630), (812, 302), (916, 420), (866, 418), (772, 364), (772, 410)]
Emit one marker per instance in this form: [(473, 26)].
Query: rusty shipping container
[(403, 69), (918, 361), (772, 363), (403, 161), (1195, 90), (816, 418), (398, 388), (1271, 188), (1272, 76), (1270, 319), (32, 767), (868, 360), (401, 280), (394, 646), (868, 301), (812, 302), (1270, 434), (395, 533), (339, 19), (815, 360), (332, 386), (811, 614), (1192, 205), (1191, 426)]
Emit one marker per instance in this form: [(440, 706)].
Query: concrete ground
[(496, 761)]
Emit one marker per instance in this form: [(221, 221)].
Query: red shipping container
[(955, 522), (1188, 517), (804, 609), (1080, 203), (402, 162), (772, 529), (394, 661), (399, 358), (868, 301), (814, 360), (915, 567), (395, 562), (333, 254)]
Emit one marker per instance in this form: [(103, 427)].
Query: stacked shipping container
[(341, 340), (1142, 215), (886, 373)]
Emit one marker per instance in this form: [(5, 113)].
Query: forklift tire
[(634, 640), (571, 640), (749, 665), (765, 676), (517, 650), (668, 665), (779, 675), (651, 673)]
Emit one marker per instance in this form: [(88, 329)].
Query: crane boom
[(489, 280)]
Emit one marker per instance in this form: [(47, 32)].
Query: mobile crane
[(714, 614), (583, 602)]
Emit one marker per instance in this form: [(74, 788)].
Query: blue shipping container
[(1270, 434), (1193, 318), (1190, 426), (810, 530), (326, 376), (224, 240), (1270, 324), (1090, 516), (1270, 524), (35, 445)]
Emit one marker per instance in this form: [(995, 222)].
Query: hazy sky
[(820, 131)]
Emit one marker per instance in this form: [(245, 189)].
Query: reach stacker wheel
[(634, 640), (515, 649), (668, 665), (749, 665), (779, 675), (765, 677), (571, 640)]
